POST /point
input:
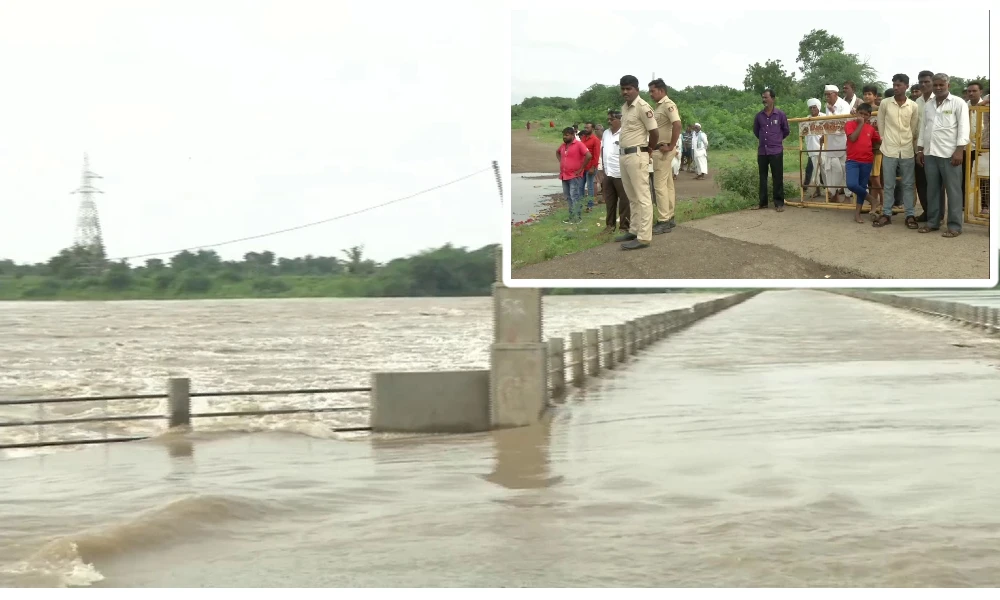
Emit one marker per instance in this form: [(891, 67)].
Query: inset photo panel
[(826, 157)]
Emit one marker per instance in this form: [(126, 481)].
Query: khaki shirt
[(899, 127), (637, 122), (666, 114)]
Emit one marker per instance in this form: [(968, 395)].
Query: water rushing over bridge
[(799, 438)]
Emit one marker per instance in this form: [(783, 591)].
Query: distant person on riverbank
[(573, 158), (594, 146), (615, 197), (770, 127), (638, 136), (699, 151), (897, 126), (814, 143), (860, 155)]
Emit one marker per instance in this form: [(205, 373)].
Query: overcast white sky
[(215, 120), (688, 46)]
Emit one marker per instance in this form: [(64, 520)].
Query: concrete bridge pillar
[(593, 351), (518, 357)]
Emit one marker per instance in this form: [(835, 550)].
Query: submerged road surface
[(798, 439)]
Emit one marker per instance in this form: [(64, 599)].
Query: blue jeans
[(573, 190), (588, 186), (858, 174), (905, 167)]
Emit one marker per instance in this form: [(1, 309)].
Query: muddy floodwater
[(530, 191), (798, 439)]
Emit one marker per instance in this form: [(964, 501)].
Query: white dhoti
[(834, 164), (701, 162)]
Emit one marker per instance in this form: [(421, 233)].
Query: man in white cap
[(813, 145), (699, 150), (834, 160)]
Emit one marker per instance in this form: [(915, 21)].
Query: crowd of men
[(638, 158), (919, 135), (920, 138)]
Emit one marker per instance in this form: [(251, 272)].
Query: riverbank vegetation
[(72, 275), (726, 114)]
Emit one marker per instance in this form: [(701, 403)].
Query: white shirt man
[(609, 153), (835, 159), (945, 132), (946, 127)]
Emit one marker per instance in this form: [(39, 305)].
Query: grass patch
[(549, 238)]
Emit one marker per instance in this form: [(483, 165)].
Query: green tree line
[(726, 113), (74, 274)]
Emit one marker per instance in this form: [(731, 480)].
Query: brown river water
[(798, 439)]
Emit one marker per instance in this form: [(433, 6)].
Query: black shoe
[(626, 237), (634, 245), (671, 223), (661, 227)]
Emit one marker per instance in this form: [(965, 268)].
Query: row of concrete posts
[(979, 317), (525, 370)]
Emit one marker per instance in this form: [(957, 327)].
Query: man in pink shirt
[(573, 159)]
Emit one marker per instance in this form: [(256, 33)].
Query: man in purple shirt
[(771, 128)]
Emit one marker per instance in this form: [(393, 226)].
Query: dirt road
[(806, 243)]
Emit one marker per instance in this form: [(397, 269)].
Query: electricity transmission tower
[(89, 244)]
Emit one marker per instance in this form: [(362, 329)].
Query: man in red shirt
[(594, 146), (573, 159), (860, 155)]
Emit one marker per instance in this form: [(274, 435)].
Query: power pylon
[(89, 242)]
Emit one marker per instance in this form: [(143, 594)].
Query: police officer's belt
[(634, 149)]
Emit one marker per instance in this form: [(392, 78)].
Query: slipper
[(951, 233)]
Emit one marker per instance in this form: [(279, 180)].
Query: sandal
[(951, 233), (926, 229), (882, 221), (911, 223)]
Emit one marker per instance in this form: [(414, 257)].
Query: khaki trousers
[(635, 176), (663, 181)]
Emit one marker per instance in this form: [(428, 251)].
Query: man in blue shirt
[(771, 128)]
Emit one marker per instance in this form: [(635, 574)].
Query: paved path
[(831, 237)]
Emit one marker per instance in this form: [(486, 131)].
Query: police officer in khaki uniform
[(637, 137), (668, 130)]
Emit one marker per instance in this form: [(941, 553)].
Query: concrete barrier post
[(593, 352), (576, 351), (620, 342), (557, 359), (518, 388), (608, 345), (995, 319), (630, 337), (179, 402)]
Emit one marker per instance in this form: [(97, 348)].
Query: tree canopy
[(725, 113)]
